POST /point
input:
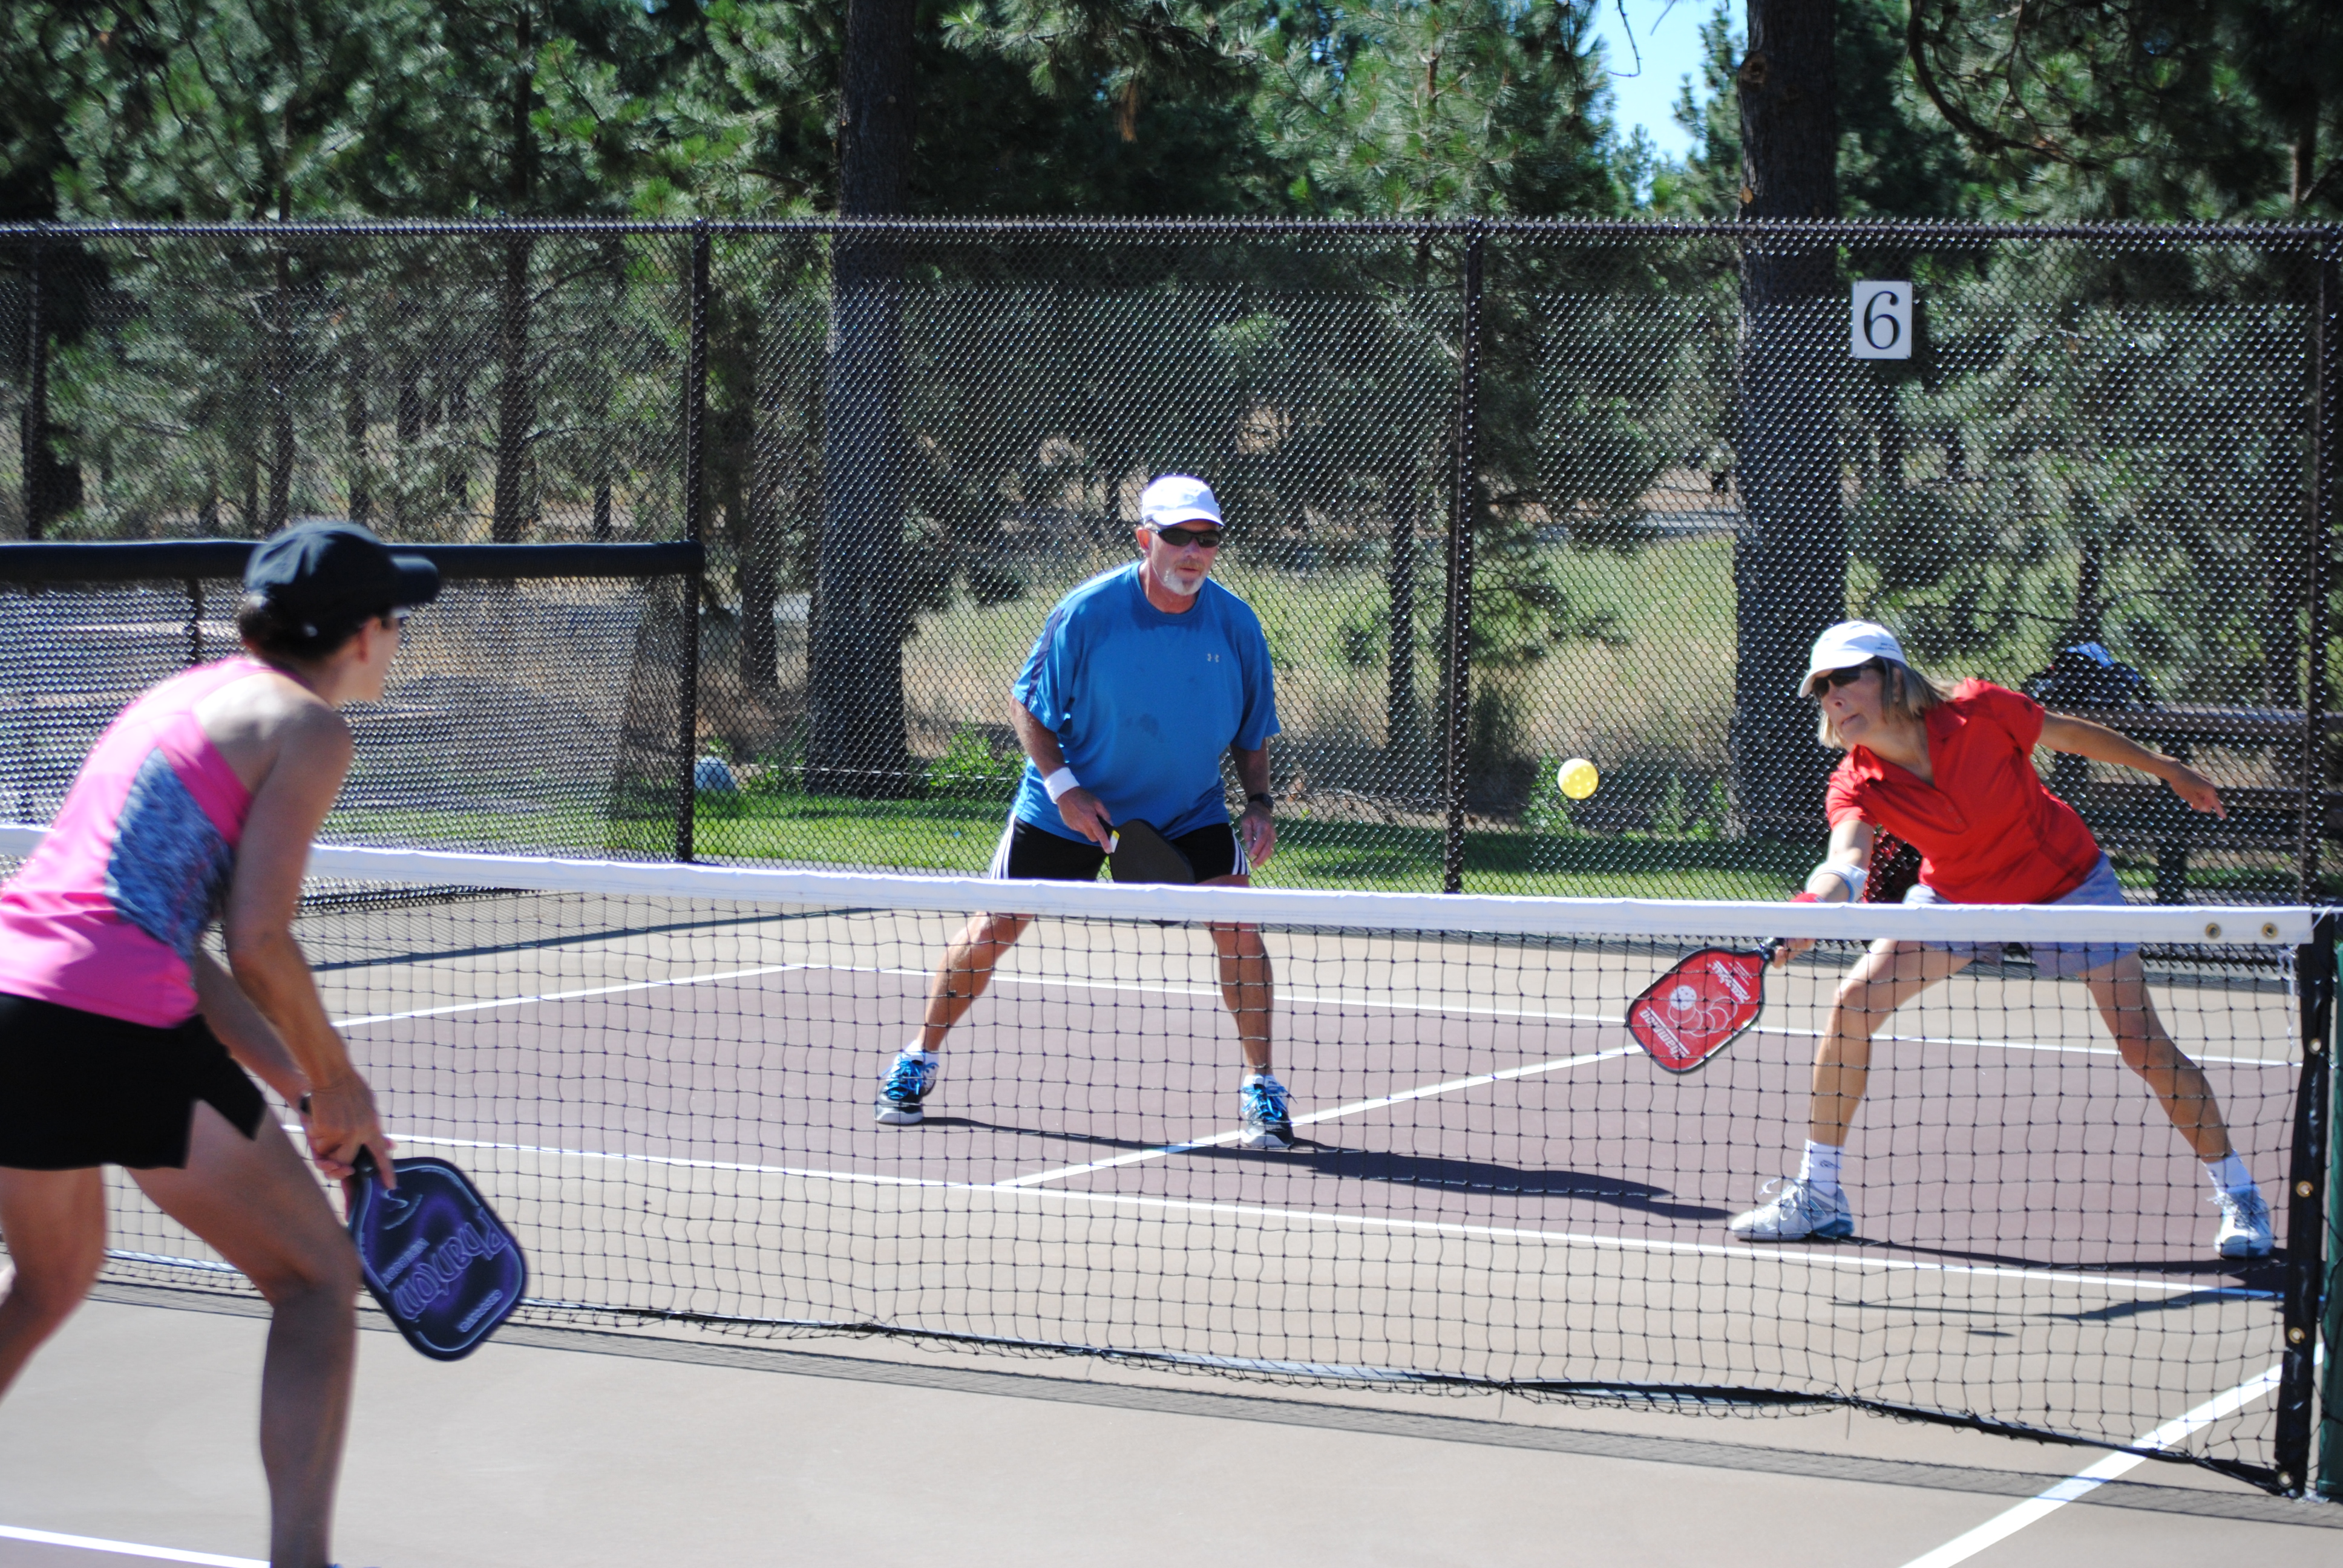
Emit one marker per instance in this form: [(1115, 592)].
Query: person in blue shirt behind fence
[(1141, 680)]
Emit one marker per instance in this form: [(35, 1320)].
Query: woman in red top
[(1952, 774)]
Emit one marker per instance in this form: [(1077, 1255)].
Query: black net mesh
[(664, 1078), (1501, 496), (2091, 479)]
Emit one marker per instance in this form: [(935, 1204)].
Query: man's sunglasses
[(1180, 539), (1838, 677)]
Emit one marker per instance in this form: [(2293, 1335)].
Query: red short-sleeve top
[(1987, 830)]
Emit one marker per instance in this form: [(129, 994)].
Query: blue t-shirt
[(1144, 703)]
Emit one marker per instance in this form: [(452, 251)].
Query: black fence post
[(1456, 672), (2325, 365), (2330, 1332), (2306, 1211), (695, 504), (32, 435)]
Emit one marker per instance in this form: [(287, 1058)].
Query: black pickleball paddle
[(1140, 854), (435, 1255)]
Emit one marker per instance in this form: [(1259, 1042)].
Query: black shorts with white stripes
[(1031, 853)]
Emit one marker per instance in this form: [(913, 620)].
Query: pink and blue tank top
[(105, 915)]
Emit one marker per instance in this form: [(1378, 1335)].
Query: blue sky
[(1668, 36)]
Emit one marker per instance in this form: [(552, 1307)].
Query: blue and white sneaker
[(910, 1079), (2245, 1230), (1267, 1122), (1795, 1210)]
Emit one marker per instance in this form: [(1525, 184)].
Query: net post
[(2325, 367), (1456, 665), (695, 503), (2305, 1214), (2330, 1329)]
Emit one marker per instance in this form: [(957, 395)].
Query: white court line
[(2022, 1045), (126, 1548), (1852, 1262), (568, 995), (2001, 1526), (1338, 999), (1165, 1152)]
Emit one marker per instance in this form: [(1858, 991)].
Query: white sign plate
[(1880, 327)]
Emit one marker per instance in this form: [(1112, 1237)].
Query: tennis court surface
[(664, 1077)]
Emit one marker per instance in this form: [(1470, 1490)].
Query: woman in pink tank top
[(121, 1038)]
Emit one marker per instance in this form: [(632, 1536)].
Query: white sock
[(2229, 1175), (1820, 1170)]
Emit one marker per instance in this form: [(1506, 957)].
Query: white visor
[(1846, 645)]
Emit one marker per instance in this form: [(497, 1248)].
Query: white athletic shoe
[(2245, 1230), (910, 1080), (1795, 1210), (1267, 1124)]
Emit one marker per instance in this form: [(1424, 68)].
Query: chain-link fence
[(2103, 473)]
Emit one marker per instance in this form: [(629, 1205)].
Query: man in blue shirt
[(1141, 677)]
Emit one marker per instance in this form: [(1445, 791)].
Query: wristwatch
[(1266, 802)]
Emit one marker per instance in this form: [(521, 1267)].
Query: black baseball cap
[(327, 572)]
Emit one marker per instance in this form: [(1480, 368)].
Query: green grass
[(959, 836)]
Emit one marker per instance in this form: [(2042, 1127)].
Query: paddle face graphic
[(1699, 1006), (435, 1256)]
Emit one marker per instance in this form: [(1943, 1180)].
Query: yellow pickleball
[(1578, 779)]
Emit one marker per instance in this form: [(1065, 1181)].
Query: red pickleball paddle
[(1701, 1006)]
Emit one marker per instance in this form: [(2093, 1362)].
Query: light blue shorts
[(2052, 961)]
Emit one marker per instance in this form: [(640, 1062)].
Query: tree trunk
[(279, 350), (516, 404), (769, 465), (1790, 560), (354, 433), (855, 741), (1403, 750), (33, 419)]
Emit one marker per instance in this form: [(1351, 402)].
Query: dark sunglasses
[(1180, 539), (1838, 677)]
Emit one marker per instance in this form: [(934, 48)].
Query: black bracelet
[(1266, 802)]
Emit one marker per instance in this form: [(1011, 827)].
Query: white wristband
[(1057, 783), (1853, 876)]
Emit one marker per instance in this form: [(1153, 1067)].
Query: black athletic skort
[(78, 1089)]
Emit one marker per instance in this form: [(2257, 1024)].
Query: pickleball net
[(665, 1079)]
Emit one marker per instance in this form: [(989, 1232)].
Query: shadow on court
[(1487, 1176), (1481, 1176), (2258, 1274)]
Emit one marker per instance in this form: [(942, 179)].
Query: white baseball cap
[(1846, 645), (1177, 498)]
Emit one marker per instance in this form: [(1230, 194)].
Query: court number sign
[(1880, 327)]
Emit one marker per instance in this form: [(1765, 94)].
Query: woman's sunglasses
[(1180, 539), (1838, 677)]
